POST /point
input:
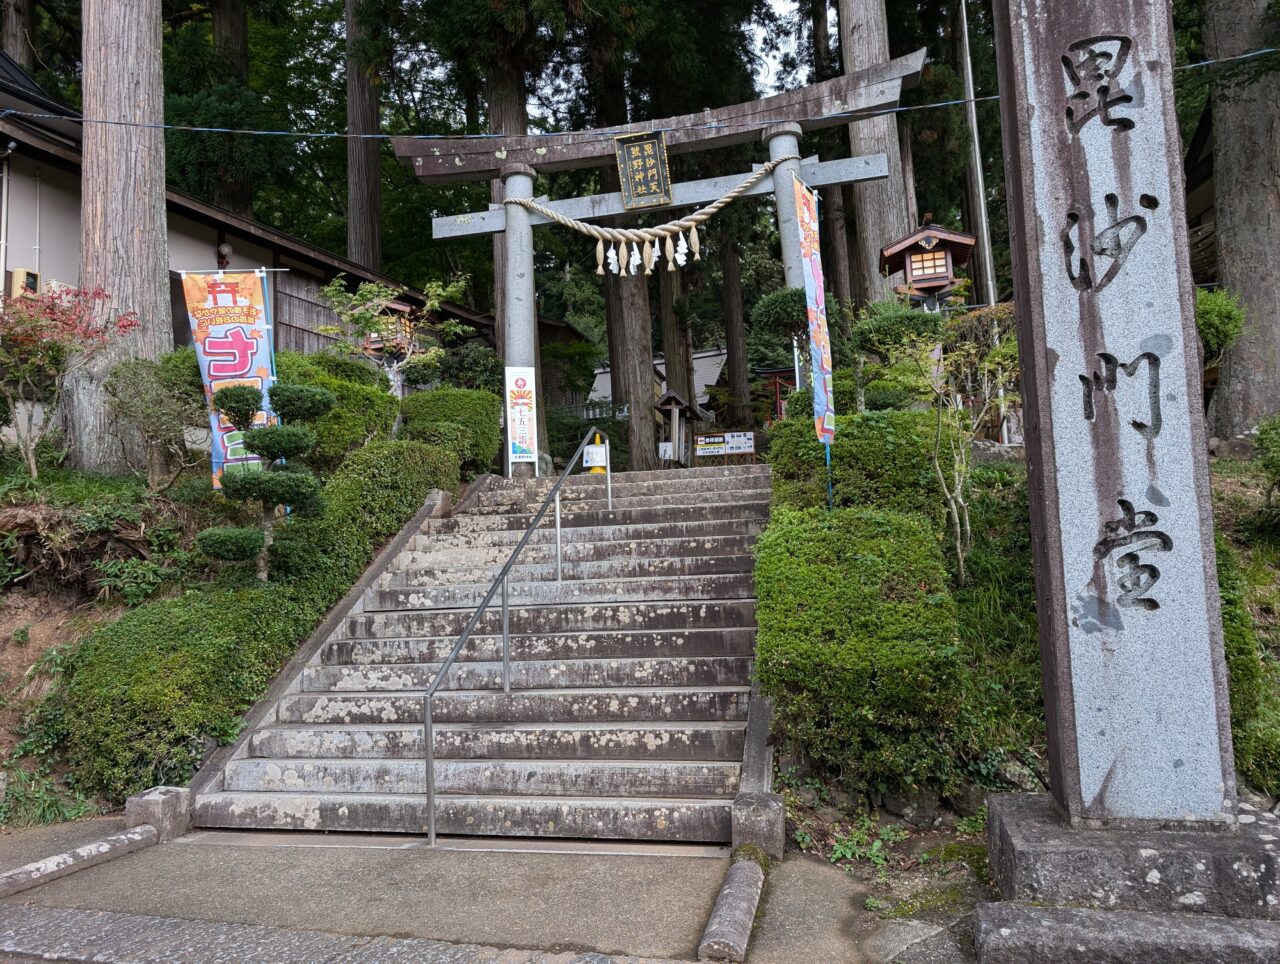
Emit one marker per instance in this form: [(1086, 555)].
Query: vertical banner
[(522, 416), (230, 317), (824, 409)]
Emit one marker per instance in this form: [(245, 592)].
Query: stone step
[(523, 706), (757, 509), (624, 497), (708, 740), (532, 674), (738, 585), (433, 539), (630, 566), (573, 618), (594, 645), (544, 553), (673, 477), (514, 778), (617, 819)]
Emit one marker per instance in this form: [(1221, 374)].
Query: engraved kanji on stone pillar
[(1131, 637)]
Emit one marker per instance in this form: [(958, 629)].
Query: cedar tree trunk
[(15, 31), (123, 242), (735, 335), (231, 41), (677, 347), (879, 207), (1246, 169), (364, 155)]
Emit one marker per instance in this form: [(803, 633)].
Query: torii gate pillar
[(519, 323), (783, 140), (520, 313)]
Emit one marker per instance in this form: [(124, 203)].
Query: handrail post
[(558, 575), (506, 640), (608, 474), (430, 745)]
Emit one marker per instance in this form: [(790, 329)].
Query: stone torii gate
[(778, 121)]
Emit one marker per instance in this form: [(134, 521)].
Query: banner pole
[(830, 498)]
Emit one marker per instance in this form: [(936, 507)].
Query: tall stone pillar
[(1141, 766), (520, 326), (783, 140)]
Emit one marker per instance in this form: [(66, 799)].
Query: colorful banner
[(522, 416), (824, 408), (230, 317)]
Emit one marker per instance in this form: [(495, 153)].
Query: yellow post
[(596, 469)]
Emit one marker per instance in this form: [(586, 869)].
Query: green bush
[(361, 412), (473, 364), (857, 644), (360, 415), (448, 435), (300, 403), (1219, 320), (882, 395), (351, 369), (231, 543), (276, 442), (240, 404), (149, 695), (478, 412), (880, 459), (1267, 445)]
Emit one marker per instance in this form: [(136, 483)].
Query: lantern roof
[(893, 257)]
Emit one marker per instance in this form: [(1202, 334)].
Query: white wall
[(192, 246)]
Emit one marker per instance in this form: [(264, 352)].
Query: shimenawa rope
[(619, 238)]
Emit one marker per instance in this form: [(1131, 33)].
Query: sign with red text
[(230, 317), (522, 416)]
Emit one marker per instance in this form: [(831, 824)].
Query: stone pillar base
[(1184, 880)]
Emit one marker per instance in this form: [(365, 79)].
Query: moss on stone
[(750, 852), (945, 901)]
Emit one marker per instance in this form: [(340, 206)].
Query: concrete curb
[(90, 855), (729, 930)]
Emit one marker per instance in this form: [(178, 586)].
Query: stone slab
[(1036, 857), (1011, 933), (759, 820), (77, 935), (729, 929), (22, 846)]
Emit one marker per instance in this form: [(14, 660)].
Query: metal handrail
[(500, 581)]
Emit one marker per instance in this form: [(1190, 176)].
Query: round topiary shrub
[(230, 543), (880, 395)]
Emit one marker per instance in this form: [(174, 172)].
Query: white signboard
[(726, 443), (522, 416), (593, 457), (666, 451)]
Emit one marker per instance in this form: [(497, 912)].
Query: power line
[(316, 135)]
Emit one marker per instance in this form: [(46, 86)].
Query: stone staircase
[(630, 679)]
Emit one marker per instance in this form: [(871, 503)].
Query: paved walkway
[(262, 897), (60, 934), (605, 900)]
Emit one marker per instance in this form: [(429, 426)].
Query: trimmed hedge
[(149, 695), (361, 413), (478, 412), (880, 459), (857, 644), (351, 369)]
